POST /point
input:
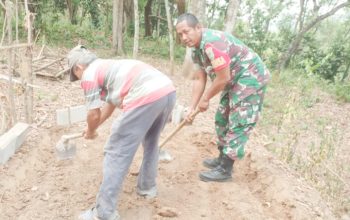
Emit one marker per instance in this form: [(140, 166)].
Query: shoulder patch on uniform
[(218, 62), (209, 52)]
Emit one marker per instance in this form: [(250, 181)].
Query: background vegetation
[(267, 26)]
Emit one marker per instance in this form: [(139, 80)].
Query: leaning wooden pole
[(28, 76)]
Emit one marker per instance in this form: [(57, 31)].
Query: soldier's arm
[(223, 76), (200, 80)]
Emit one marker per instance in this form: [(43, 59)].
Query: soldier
[(239, 75), (146, 97)]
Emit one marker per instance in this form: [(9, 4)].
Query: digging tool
[(65, 147), (163, 155)]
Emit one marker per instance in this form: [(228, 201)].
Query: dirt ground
[(34, 184)]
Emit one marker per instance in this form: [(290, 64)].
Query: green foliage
[(92, 7), (66, 34), (155, 48), (327, 62)]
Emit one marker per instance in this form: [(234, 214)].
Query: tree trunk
[(346, 72), (171, 40), (231, 15), (117, 29), (129, 12), (159, 10), (197, 8), (300, 21), (120, 28), (285, 57), (136, 32), (148, 23), (181, 7), (72, 11)]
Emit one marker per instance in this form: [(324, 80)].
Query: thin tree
[(148, 23), (136, 32), (29, 18), (117, 29), (231, 15), (294, 45), (171, 40)]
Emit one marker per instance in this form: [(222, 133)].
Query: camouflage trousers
[(235, 121)]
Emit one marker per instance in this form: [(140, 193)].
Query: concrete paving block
[(67, 116), (78, 113), (7, 147), (20, 130), (12, 140), (62, 116)]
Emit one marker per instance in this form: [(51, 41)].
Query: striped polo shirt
[(127, 84)]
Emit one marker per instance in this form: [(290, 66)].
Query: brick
[(62, 116), (12, 140), (67, 116), (78, 113)]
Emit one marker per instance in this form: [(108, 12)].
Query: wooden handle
[(177, 129), (73, 136)]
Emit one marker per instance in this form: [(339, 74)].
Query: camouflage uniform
[(241, 100)]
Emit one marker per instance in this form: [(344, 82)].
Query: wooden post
[(10, 61), (28, 77)]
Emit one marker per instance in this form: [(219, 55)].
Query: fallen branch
[(61, 72), (41, 51), (4, 77), (49, 64), (38, 58), (37, 37), (15, 46)]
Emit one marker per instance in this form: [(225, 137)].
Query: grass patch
[(306, 135)]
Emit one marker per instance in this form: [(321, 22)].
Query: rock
[(167, 212)]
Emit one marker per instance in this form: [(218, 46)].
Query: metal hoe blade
[(66, 147), (164, 156)]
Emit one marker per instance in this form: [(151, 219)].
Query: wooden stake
[(28, 76)]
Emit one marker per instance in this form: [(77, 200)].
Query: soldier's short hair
[(191, 20)]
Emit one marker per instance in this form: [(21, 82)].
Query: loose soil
[(34, 184)]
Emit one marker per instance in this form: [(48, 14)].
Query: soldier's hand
[(203, 105)]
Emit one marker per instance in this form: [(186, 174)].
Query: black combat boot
[(221, 173), (211, 163)]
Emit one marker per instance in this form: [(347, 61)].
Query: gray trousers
[(143, 124)]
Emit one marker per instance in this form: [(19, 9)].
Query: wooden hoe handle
[(177, 129)]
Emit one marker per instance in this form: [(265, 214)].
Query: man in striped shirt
[(146, 97)]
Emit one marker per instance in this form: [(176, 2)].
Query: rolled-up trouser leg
[(126, 135)]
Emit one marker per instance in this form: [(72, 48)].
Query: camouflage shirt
[(218, 50)]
